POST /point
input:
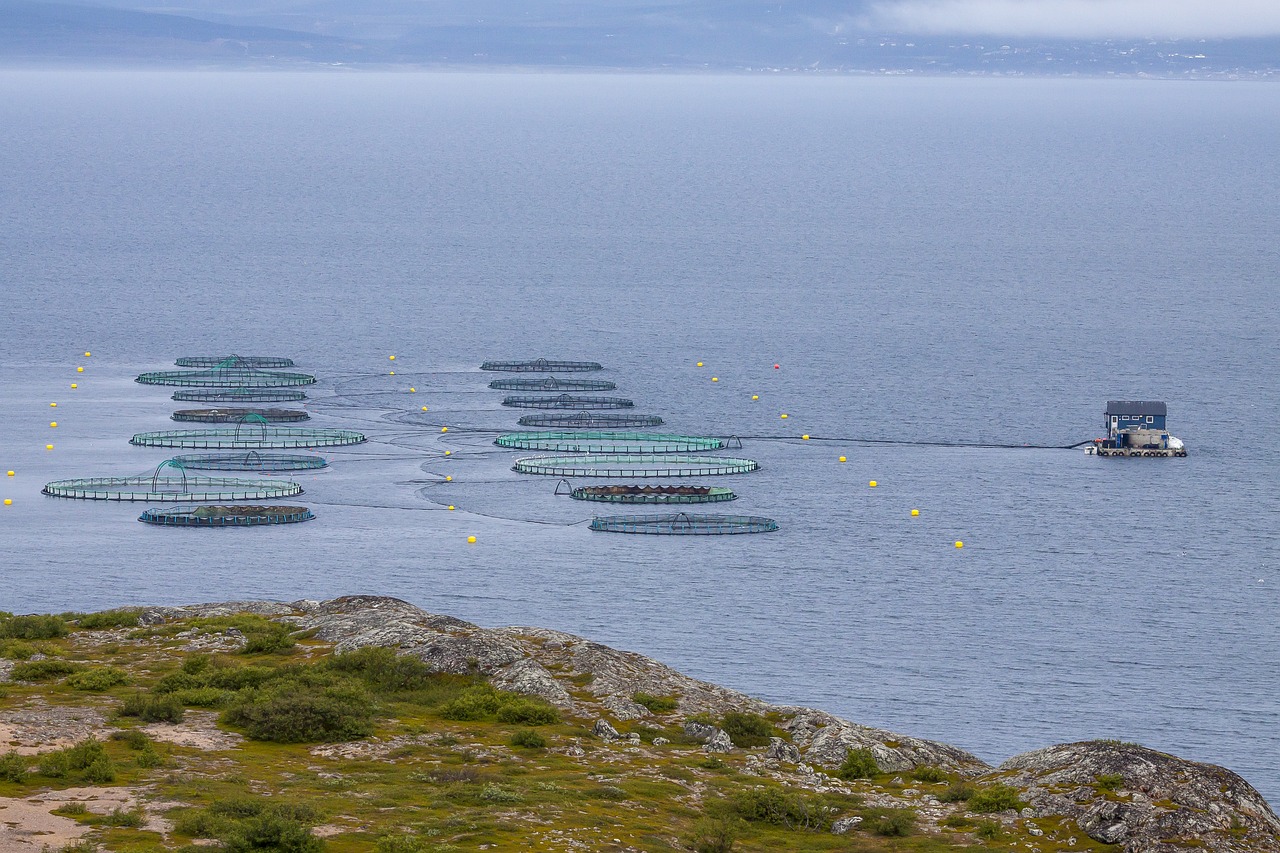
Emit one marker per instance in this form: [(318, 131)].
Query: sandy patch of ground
[(198, 729), (26, 825), (38, 727)]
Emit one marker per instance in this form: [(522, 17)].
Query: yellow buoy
[(48, 447), (699, 364), (74, 385), (8, 473), (873, 484), (448, 479), (915, 512), (448, 453), (450, 506), (715, 378), (392, 357), (424, 408), (842, 459), (805, 437), (55, 405), (784, 417), (959, 544), (86, 355), (413, 390), (755, 396), (8, 501), (53, 423), (444, 429), (79, 370), (393, 373), (471, 540)]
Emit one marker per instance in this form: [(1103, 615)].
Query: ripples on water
[(974, 260)]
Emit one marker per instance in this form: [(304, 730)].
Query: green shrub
[(13, 768), (273, 832), (384, 671), (958, 792), (658, 705), (292, 712), (33, 627), (957, 821), (892, 823), (239, 677), (402, 843), (118, 817), (712, 835), (196, 664), (42, 670), (779, 807), (148, 759), (97, 678), (203, 697), (54, 764), (133, 738), (270, 638), (858, 764), (16, 650), (747, 729), (989, 830), (101, 771), (84, 753), (526, 712), (475, 703), (1110, 781), (70, 809), (995, 798), (529, 739), (200, 823), (152, 709), (109, 619), (928, 773), (495, 793)]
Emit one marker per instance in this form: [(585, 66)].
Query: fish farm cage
[(236, 515), (262, 437), (233, 416), (652, 494), (239, 395), (542, 365), (591, 420), (567, 401), (551, 383), (613, 465), (253, 460), (233, 361), (684, 524), (161, 485), (226, 377), (608, 442)]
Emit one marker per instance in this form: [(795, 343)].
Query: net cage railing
[(225, 516), (542, 365), (551, 383), (648, 494), (260, 437), (567, 401), (684, 524), (608, 442), (252, 460), (239, 395), (233, 361), (234, 415), (591, 420), (161, 485), (226, 377), (612, 465)]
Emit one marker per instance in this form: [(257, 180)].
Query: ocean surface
[(934, 260)]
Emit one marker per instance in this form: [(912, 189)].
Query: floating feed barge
[(591, 420), (653, 494), (161, 485), (542, 365), (551, 383), (238, 395), (684, 524), (226, 377), (274, 437), (233, 361), (608, 442), (252, 460), (1137, 428), (235, 416), (612, 465), (236, 515), (567, 401)]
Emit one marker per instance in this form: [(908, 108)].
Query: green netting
[(653, 494), (611, 465), (233, 361), (551, 383), (608, 442), (591, 420), (180, 487), (226, 516), (256, 437), (567, 401), (227, 377), (684, 524), (239, 395), (542, 365), (233, 416), (252, 460)]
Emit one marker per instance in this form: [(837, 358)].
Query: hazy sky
[(1082, 18)]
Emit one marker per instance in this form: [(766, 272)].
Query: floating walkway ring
[(233, 361), (653, 494), (227, 416), (252, 460), (612, 465), (542, 365), (149, 487), (238, 395), (608, 442), (591, 420), (226, 377), (567, 401), (551, 383), (684, 524), (263, 438), (236, 515)]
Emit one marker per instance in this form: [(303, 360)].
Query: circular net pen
[(227, 377), (236, 515), (567, 401), (233, 361), (253, 460), (611, 465), (591, 420), (608, 442), (260, 438), (653, 494), (232, 416), (239, 395), (551, 383), (684, 524), (542, 365), (160, 485)]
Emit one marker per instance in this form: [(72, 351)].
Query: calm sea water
[(964, 260)]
